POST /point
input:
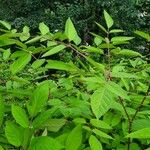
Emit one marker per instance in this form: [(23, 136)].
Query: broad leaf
[(139, 124), (97, 65), (38, 63), (143, 34), (100, 124), (59, 65), (121, 39), (20, 63), (44, 29), (54, 50), (71, 32), (95, 144), (109, 21), (140, 134), (43, 118), (79, 121), (117, 90), (54, 125), (20, 116), (101, 101), (74, 139), (45, 143), (97, 41), (35, 39), (5, 24), (39, 98), (14, 134), (101, 134), (25, 34), (129, 53), (92, 49), (1, 148)]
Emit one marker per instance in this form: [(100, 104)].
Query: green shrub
[(99, 99)]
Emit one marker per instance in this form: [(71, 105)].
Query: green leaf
[(59, 65), (20, 63), (6, 54), (143, 34), (38, 63), (51, 43), (74, 139), (35, 39), (97, 65), (43, 118), (121, 39), (14, 134), (39, 98), (117, 90), (101, 101), (1, 148), (54, 50), (44, 29), (101, 27), (116, 31), (92, 49), (129, 53), (101, 134), (5, 42), (5, 24), (100, 124), (97, 41), (45, 143), (140, 134), (25, 34), (2, 110), (95, 144), (109, 21), (71, 32), (79, 121), (54, 125), (139, 124), (20, 116)]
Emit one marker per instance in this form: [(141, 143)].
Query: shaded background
[(127, 14)]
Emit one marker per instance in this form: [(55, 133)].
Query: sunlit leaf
[(14, 134), (39, 98), (140, 134), (109, 21), (5, 24), (95, 144), (71, 32), (20, 116), (74, 139), (44, 29), (20, 63), (101, 101), (45, 143), (54, 50)]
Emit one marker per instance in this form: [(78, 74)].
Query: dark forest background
[(129, 15)]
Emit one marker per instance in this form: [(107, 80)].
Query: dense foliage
[(128, 14), (56, 93)]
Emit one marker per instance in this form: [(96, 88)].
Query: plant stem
[(130, 120)]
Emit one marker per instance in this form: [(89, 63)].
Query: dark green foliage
[(128, 14)]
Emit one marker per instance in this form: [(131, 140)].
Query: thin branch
[(141, 104)]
